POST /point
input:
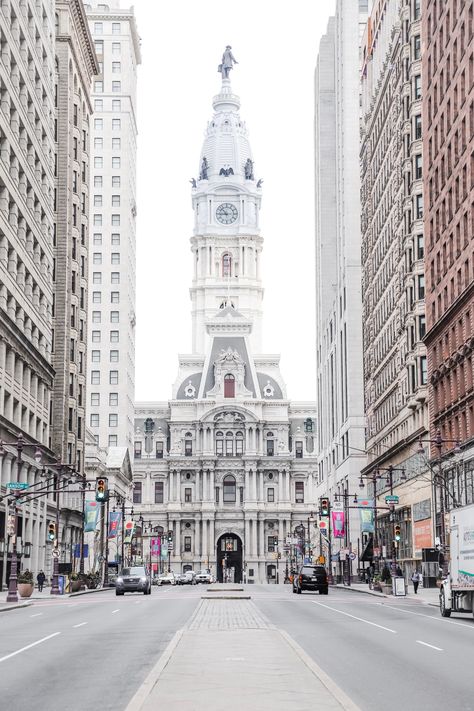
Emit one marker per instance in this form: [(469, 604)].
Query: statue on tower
[(228, 61)]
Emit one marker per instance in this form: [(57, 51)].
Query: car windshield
[(311, 570), (133, 571)]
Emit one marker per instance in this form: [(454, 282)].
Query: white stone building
[(228, 464), (340, 391), (112, 253)]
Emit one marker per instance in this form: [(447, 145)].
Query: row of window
[(114, 336), (99, 162), (116, 87), (114, 297), (116, 105), (97, 317), (99, 28), (99, 124), (229, 489), (97, 239), (95, 420), (99, 45), (114, 278), (116, 67), (113, 399), (113, 377), (113, 356), (116, 143), (97, 220), (228, 445)]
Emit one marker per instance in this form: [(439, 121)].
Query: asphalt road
[(87, 652), (385, 654)]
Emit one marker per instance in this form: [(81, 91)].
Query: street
[(97, 649)]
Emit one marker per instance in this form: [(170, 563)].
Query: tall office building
[(111, 355), (26, 258), (393, 278), (340, 419), (448, 143)]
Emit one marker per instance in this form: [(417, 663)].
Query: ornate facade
[(228, 464)]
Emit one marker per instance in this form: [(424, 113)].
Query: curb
[(374, 593), (226, 597), (89, 592), (15, 607)]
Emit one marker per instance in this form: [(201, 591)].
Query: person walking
[(415, 579), (40, 578)]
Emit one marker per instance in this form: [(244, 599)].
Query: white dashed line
[(37, 614), (360, 619), (425, 644), (114, 611), (81, 624), (29, 646)]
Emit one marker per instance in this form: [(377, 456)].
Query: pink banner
[(338, 528), (155, 546)]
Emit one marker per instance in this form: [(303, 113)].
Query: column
[(254, 538), (247, 540), (177, 550), (198, 538), (212, 541), (247, 486), (262, 539), (261, 487)]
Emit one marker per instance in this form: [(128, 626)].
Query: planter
[(25, 589), (386, 589), (75, 585)]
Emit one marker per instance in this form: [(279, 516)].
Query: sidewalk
[(44, 595), (229, 656), (427, 596)]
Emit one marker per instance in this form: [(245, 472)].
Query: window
[(116, 144), (159, 492), (416, 9), (114, 297), (95, 377), (423, 371), (116, 223), (299, 492), (113, 419), (99, 46), (137, 491), (188, 447), (116, 68), (96, 356), (115, 200), (159, 450), (420, 247), (97, 200), (98, 220), (98, 162), (95, 399), (98, 104), (417, 86), (419, 207), (299, 450), (115, 278), (116, 48), (138, 450), (114, 356), (113, 399), (229, 385), (98, 181), (95, 336), (116, 87), (187, 544), (98, 124), (116, 105), (115, 162), (416, 47), (115, 258), (96, 297), (114, 336), (96, 317), (229, 490), (239, 443), (98, 28), (229, 444), (98, 87), (116, 30), (114, 317), (226, 265), (270, 447), (113, 377), (220, 444), (115, 239), (115, 181), (115, 124), (271, 544), (113, 440), (97, 278), (421, 286), (421, 327), (188, 495), (271, 495), (418, 166), (94, 420)]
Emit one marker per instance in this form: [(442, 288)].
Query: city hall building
[(229, 463)]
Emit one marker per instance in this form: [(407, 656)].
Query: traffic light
[(324, 506), (51, 531), (101, 491), (397, 532), (170, 536)]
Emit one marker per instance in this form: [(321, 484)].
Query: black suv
[(311, 577)]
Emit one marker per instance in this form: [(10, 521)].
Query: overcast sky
[(276, 44)]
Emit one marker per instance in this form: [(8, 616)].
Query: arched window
[(229, 385), (220, 444), (239, 443), (270, 444), (226, 265), (229, 490), (229, 444)]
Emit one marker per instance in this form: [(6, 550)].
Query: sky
[(276, 44)]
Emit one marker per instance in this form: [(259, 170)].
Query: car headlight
[(143, 580), (119, 580)]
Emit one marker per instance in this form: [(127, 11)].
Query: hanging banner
[(91, 515), (366, 513), (338, 528), (115, 518), (155, 547), (129, 529), (164, 550)]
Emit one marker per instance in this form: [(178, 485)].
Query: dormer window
[(229, 385), (226, 265)]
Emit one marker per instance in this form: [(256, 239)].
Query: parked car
[(203, 577), (311, 577), (180, 579), (134, 579), (167, 579)]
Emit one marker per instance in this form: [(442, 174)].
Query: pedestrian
[(40, 578), (370, 574), (415, 579), (399, 571)]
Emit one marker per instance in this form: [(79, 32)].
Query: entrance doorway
[(229, 559)]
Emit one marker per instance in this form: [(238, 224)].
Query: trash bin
[(61, 584)]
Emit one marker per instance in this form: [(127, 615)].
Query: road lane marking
[(114, 611), (29, 646), (81, 624), (429, 645), (37, 614), (432, 617), (361, 619)]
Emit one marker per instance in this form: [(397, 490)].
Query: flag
[(366, 513), (91, 515), (129, 530), (338, 530), (114, 522), (155, 546), (164, 550)]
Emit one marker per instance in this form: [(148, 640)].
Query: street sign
[(352, 556), (321, 559), (17, 485), (391, 499), (338, 506), (55, 552)]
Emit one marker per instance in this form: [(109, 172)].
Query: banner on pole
[(164, 550), (91, 516), (77, 550), (338, 527), (366, 512), (115, 518), (155, 546), (129, 529)]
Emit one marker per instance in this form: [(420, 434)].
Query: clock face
[(226, 213)]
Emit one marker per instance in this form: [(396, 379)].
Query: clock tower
[(226, 243)]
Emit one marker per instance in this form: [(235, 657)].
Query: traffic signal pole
[(55, 582)]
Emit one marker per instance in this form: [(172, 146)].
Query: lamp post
[(20, 445), (438, 441)]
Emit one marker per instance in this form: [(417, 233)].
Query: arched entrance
[(229, 558)]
